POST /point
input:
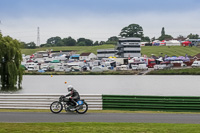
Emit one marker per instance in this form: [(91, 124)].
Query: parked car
[(97, 69), (196, 64), (134, 67), (159, 67), (142, 67)]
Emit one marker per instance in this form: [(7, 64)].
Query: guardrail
[(41, 101), (152, 103)]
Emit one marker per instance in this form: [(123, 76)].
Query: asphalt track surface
[(32, 117)]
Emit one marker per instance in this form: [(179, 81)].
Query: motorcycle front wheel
[(56, 107), (83, 108)]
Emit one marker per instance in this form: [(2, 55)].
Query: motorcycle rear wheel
[(56, 107), (84, 108)]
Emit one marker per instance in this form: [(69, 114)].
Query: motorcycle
[(69, 106)]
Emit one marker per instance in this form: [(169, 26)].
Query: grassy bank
[(94, 127), (187, 71), (79, 49), (170, 51), (147, 50)]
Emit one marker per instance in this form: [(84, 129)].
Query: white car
[(159, 67), (196, 64), (97, 69), (142, 67), (134, 67)]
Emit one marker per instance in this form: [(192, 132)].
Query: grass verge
[(96, 111), (94, 127), (187, 71)]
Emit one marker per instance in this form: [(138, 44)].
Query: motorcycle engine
[(68, 108)]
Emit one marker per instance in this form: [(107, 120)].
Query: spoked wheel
[(56, 107), (83, 108)]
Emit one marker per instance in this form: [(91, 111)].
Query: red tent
[(186, 43)]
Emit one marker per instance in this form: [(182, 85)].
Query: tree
[(133, 30), (153, 39), (84, 42), (22, 45), (10, 62), (96, 43), (81, 43), (55, 41), (88, 42), (102, 42), (181, 38), (163, 31), (145, 39), (112, 40), (30, 45), (164, 36), (69, 41), (193, 36)]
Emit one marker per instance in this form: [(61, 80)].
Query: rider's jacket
[(74, 94)]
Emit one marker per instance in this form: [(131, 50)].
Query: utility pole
[(38, 36)]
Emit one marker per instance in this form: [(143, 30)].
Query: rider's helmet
[(70, 87)]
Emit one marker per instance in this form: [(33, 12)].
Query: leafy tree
[(96, 43), (69, 41), (180, 37), (153, 39), (55, 41), (112, 40), (133, 30), (193, 36), (102, 42), (30, 45), (164, 36), (88, 42), (22, 45), (42, 45), (145, 39), (84, 42), (81, 43), (10, 62), (163, 31)]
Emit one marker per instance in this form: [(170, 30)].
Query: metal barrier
[(41, 101), (152, 103)]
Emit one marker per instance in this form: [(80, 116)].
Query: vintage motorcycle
[(69, 106)]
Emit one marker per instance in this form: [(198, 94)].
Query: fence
[(24, 101), (106, 102), (155, 103)]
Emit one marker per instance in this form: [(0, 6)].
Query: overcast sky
[(96, 19)]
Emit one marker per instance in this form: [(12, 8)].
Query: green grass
[(188, 71), (79, 49), (99, 111), (170, 51), (147, 50), (88, 127)]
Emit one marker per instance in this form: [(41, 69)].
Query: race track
[(30, 117)]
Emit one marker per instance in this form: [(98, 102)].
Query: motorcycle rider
[(74, 95)]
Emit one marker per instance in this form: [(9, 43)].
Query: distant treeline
[(69, 41), (132, 30)]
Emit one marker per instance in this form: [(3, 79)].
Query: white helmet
[(70, 87)]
